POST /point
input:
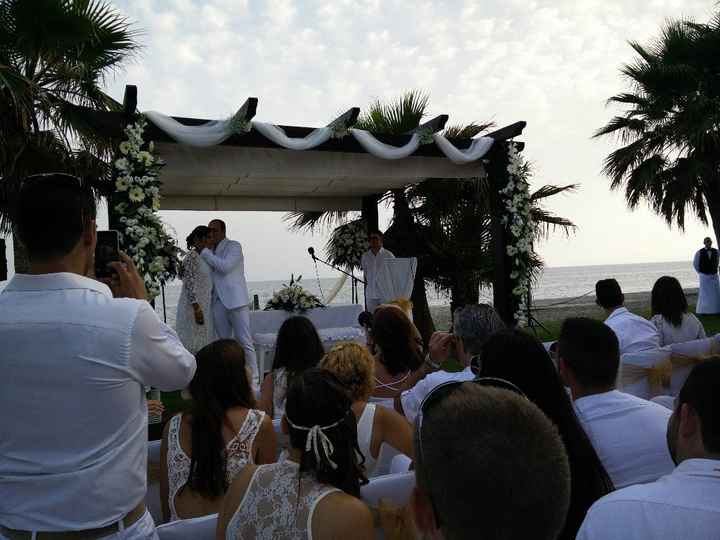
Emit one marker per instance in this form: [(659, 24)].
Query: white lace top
[(238, 453), (196, 288), (276, 506)]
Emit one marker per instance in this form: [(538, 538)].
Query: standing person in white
[(706, 262), (75, 363), (370, 262), (628, 433), (230, 297), (685, 504)]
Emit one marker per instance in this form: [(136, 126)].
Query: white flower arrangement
[(517, 219), (142, 233), (347, 244), (293, 298)]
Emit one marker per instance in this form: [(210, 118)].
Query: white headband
[(314, 433)]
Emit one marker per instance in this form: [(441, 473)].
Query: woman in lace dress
[(298, 347), (315, 492), (202, 452), (194, 322)]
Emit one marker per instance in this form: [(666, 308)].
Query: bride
[(194, 323)]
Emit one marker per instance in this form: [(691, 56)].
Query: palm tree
[(670, 129), (54, 57)]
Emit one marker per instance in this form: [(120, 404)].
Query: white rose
[(136, 194)]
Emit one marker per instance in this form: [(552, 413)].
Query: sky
[(552, 63)]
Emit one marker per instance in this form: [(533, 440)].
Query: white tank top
[(364, 436), (277, 505), (238, 453)]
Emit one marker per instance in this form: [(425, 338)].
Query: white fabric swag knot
[(316, 439)]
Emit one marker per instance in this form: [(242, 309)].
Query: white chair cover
[(395, 487), (400, 464), (395, 278), (201, 528), (691, 349), (385, 457), (152, 495), (644, 359), (666, 401)]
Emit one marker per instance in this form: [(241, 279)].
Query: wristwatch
[(429, 361)]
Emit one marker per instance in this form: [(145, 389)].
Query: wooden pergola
[(251, 172)]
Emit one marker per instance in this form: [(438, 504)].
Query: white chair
[(152, 495), (400, 464), (637, 368), (666, 401), (697, 348), (201, 528), (384, 461), (397, 488)]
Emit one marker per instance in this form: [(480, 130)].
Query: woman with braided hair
[(314, 493)]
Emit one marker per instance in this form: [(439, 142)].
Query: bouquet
[(293, 298)]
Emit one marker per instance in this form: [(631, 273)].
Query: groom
[(230, 298)]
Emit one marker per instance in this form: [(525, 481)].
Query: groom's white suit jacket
[(227, 267)]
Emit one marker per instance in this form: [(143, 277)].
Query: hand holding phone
[(107, 250), (127, 282)]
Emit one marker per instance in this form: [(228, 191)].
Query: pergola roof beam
[(347, 119), (434, 125)]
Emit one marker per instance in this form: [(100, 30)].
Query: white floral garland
[(347, 244), (142, 234), (516, 198), (293, 298)]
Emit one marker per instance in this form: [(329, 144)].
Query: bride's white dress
[(197, 287)]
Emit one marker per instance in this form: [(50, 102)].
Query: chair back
[(386, 454), (397, 488), (400, 464), (200, 528), (645, 374), (666, 401), (684, 356)]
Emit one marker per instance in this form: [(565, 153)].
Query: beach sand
[(558, 309)]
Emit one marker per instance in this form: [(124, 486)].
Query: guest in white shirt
[(634, 333), (490, 465), (686, 503), (472, 325), (627, 432), (670, 313), (371, 261), (75, 363)]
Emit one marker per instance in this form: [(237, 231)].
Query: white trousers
[(142, 529), (236, 322)]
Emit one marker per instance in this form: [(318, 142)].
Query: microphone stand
[(354, 280)]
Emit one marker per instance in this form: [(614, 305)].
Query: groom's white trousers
[(237, 321)]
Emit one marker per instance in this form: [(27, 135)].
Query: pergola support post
[(370, 212), (503, 299), (3, 261)]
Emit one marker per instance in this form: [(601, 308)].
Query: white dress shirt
[(628, 434), (227, 267), (73, 416), (633, 332), (684, 505), (690, 329), (413, 398), (371, 265)]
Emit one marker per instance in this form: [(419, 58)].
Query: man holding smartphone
[(75, 360)]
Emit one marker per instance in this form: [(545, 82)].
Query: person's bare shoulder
[(342, 516)]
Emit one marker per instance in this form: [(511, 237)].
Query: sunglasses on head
[(440, 393), (56, 177)]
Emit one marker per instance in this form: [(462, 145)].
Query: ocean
[(554, 283)]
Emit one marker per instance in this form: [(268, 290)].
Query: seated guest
[(686, 503), (506, 478), (314, 493), (398, 354), (634, 333), (298, 347), (627, 432), (354, 367), (75, 359), (520, 358), (670, 313), (202, 452), (472, 326)]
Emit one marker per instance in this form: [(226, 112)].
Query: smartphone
[(107, 250)]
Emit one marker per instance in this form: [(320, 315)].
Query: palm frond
[(310, 221), (468, 131)]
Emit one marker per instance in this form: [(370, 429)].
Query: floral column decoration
[(136, 203), (517, 220)]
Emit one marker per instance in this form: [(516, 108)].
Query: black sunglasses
[(58, 177), (440, 393)]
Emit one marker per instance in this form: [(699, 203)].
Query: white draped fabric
[(215, 132), (395, 278)]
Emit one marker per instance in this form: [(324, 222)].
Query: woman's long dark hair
[(220, 383), (201, 231), (317, 398), (668, 299), (520, 358), (394, 334), (298, 346)]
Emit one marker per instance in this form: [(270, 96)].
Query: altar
[(335, 324)]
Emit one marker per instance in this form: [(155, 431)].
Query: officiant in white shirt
[(371, 261), (230, 297)]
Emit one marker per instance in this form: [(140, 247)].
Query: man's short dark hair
[(608, 293), (220, 222), (480, 480), (375, 231), (700, 391), (50, 214), (591, 350)]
